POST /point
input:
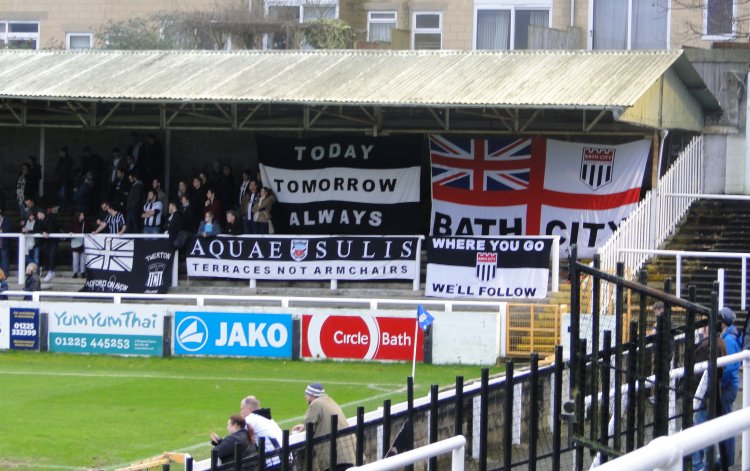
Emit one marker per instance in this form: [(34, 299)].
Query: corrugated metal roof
[(557, 79)]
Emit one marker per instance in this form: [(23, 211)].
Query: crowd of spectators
[(126, 195)]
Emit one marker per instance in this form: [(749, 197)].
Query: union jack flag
[(478, 166), (109, 253)]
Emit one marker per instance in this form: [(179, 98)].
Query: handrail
[(456, 445), (679, 255)]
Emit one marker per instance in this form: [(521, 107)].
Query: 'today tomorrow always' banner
[(343, 184)]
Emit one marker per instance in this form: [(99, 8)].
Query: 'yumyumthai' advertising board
[(118, 329), (486, 267), (233, 334), (24, 329), (361, 337), (304, 258)]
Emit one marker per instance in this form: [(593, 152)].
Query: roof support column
[(42, 159), (167, 158)]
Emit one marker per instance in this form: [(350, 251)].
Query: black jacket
[(225, 447)]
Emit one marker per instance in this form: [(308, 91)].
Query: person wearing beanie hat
[(318, 416), (730, 378)]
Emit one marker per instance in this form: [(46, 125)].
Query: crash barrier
[(468, 332), (325, 258)]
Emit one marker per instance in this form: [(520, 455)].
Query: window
[(79, 40), (296, 11), (379, 25), (506, 28), (19, 34), (630, 24), (427, 30), (719, 18)]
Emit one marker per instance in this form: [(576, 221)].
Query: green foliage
[(135, 34), (329, 34), (96, 411)]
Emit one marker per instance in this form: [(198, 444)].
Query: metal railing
[(657, 215), (666, 452), (454, 445)]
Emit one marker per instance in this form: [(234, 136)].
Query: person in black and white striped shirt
[(151, 215), (114, 221)]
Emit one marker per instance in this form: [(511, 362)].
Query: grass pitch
[(75, 412)]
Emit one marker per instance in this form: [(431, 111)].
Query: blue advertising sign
[(233, 334), (24, 329)]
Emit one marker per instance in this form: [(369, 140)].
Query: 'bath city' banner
[(487, 267), (534, 186), (303, 258), (122, 265), (343, 184)]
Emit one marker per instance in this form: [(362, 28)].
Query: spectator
[(182, 190), (209, 226), (24, 187), (730, 378), (213, 179), (262, 210), (63, 176), (29, 207), (227, 187), (264, 429), (175, 228), (161, 195), (238, 435), (319, 412), (4, 243), (233, 226), (152, 158), (32, 253), (3, 285), (134, 203), (32, 283), (118, 163), (135, 147), (91, 162), (82, 192), (120, 188), (699, 404), (214, 205), (189, 221), (247, 201), (77, 230), (36, 174), (48, 225), (114, 221), (151, 215), (198, 198)]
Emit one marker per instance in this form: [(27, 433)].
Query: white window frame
[(590, 35), (438, 30), (302, 4), (89, 35), (371, 20), (511, 6), (8, 36), (719, 37)]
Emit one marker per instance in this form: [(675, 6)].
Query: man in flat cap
[(319, 412)]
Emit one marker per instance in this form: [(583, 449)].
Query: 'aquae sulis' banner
[(534, 186), (121, 265), (485, 267), (343, 184), (303, 258)]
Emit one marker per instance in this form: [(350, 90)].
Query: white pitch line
[(293, 420), (377, 386)]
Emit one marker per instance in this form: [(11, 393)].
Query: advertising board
[(360, 337), (233, 334), (109, 329), (24, 328)]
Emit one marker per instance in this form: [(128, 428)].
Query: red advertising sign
[(360, 337)]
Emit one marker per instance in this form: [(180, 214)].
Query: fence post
[(261, 455), (386, 426), (661, 373), (557, 408), (333, 456), (309, 451), (605, 375), (237, 458), (432, 465), (575, 311), (214, 458), (458, 424), (712, 405), (360, 451), (595, 313), (643, 367), (507, 421), (21, 259), (580, 398), (284, 450), (410, 415), (619, 307), (534, 411), (417, 259), (632, 375)]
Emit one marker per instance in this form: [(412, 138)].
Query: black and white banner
[(343, 184), (304, 258), (487, 267), (121, 265)]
